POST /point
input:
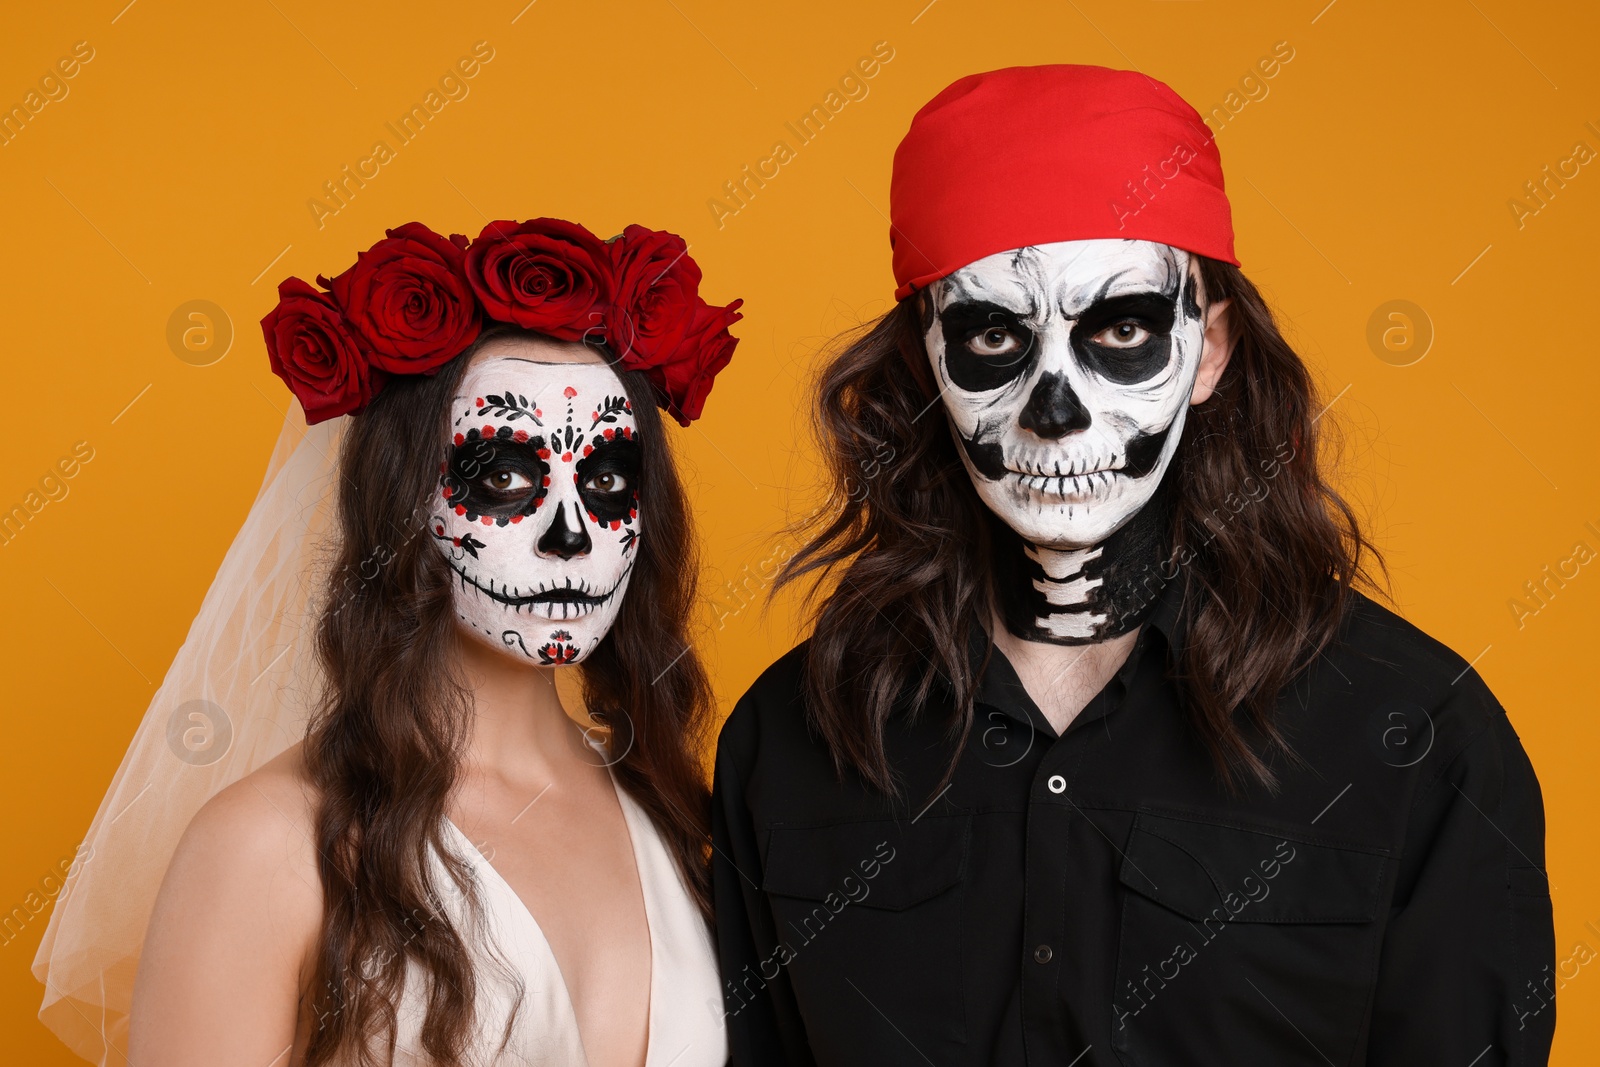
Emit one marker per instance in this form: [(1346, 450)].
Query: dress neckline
[(487, 872)]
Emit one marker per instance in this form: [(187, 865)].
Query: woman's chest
[(566, 862)]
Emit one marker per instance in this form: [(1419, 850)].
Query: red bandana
[(1033, 155)]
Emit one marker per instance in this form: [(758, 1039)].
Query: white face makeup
[(1065, 371), (538, 503)]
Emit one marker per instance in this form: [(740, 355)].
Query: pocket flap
[(1203, 870), (886, 864)]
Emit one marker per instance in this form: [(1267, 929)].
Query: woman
[(1097, 755), (449, 869)]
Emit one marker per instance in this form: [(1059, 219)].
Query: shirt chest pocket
[(1242, 946), (870, 915)]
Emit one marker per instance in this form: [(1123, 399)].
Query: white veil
[(237, 694)]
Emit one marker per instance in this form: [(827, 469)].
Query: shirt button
[(1057, 784), (1042, 954)]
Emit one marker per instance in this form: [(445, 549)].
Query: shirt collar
[(1167, 616), (1000, 688)]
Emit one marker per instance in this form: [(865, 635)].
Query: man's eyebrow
[(996, 285), (1137, 286), (969, 313), (1134, 296), (1158, 308), (1106, 284)]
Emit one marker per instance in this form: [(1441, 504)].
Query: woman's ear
[(1214, 351)]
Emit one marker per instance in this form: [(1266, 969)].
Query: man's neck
[(1084, 595), (1061, 678), (1067, 617)]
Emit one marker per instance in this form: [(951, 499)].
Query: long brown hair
[(384, 748), (900, 552)]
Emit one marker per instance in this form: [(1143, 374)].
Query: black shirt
[(1098, 899)]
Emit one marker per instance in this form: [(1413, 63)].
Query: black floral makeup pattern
[(609, 409), (460, 547), (509, 406), (558, 650)]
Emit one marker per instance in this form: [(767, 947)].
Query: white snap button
[(1057, 784)]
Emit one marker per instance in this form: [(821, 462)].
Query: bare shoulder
[(256, 835), (234, 926)]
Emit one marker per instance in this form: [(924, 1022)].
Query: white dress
[(686, 1012)]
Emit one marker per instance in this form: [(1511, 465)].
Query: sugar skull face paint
[(1065, 371), (538, 505)]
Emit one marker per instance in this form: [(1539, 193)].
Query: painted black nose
[(1053, 409), (563, 538)]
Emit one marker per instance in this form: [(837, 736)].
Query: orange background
[(1377, 166)]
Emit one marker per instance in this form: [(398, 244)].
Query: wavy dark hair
[(383, 750), (899, 556)]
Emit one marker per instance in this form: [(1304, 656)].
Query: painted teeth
[(1067, 485), (1064, 468)]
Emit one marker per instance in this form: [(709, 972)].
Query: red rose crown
[(416, 300)]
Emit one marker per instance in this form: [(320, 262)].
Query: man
[(1096, 755)]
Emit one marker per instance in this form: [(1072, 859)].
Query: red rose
[(546, 275), (658, 292), (658, 323), (318, 356), (408, 298), (685, 381)]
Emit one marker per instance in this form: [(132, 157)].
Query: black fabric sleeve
[(764, 1024), (1466, 973)]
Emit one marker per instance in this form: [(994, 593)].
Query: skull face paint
[(1065, 371), (538, 504)]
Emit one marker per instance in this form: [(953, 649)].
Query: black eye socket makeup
[(498, 476), (970, 319), (608, 478), (1127, 364)]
